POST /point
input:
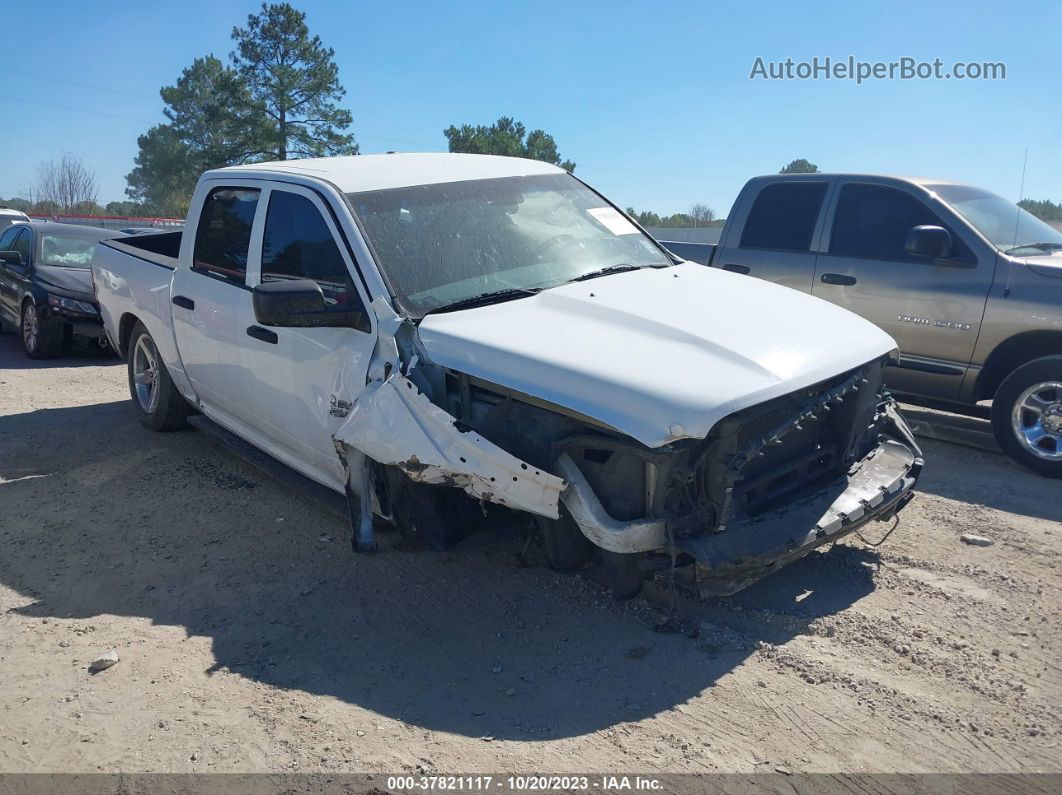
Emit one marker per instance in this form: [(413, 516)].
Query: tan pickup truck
[(967, 283)]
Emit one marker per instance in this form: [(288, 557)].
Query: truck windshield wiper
[(1041, 246), (483, 299), (620, 268)]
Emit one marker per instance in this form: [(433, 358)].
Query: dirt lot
[(252, 640)]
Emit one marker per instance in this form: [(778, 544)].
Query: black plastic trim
[(923, 366), (219, 278), (263, 334)]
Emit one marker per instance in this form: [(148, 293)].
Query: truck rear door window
[(783, 217), (873, 221), (223, 237), (297, 244)]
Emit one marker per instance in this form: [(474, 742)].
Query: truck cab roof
[(920, 181), (358, 173)]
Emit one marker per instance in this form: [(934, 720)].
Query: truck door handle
[(263, 334), (184, 303), (838, 278), (736, 268)]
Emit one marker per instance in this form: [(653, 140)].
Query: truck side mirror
[(929, 241), (285, 303), (11, 257)]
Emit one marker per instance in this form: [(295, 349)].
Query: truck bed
[(131, 277), (694, 252), (161, 248)]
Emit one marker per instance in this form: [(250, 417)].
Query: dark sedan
[(46, 286)]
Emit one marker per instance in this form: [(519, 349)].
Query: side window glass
[(223, 236), (297, 244), (872, 222), (783, 216), (8, 238), (22, 245)]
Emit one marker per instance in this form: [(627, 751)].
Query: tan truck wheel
[(1027, 415)]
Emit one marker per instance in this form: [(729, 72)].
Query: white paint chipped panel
[(394, 423)]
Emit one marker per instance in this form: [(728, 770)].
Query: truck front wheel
[(161, 406), (1027, 415), (567, 549)]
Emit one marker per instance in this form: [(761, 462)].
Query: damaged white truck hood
[(657, 354)]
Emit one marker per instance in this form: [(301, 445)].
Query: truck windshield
[(444, 244), (1009, 228)]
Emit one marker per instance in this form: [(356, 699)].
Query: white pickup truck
[(411, 329)]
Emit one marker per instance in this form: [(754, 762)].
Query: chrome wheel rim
[(30, 327), (146, 374), (1037, 420)]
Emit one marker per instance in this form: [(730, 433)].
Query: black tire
[(567, 549), (163, 409), (42, 338), (624, 574), (1012, 394)]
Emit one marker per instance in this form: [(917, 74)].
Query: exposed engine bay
[(768, 484)]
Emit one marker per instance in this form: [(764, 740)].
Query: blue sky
[(653, 101)]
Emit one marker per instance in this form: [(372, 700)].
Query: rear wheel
[(1027, 415), (42, 338), (161, 406)]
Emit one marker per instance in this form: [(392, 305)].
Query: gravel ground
[(251, 639)]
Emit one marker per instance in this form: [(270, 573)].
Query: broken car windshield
[(440, 245), (71, 249)]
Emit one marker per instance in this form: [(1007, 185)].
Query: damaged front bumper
[(874, 488)]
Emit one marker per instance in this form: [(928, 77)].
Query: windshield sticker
[(613, 220)]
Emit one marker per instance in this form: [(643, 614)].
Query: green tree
[(292, 83), (128, 208), (677, 221), (208, 110), (506, 137), (698, 215), (165, 171), (45, 207), (87, 208), (16, 203), (1044, 209), (275, 101), (208, 128), (800, 166), (644, 217)]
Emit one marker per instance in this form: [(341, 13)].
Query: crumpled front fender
[(394, 423)]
